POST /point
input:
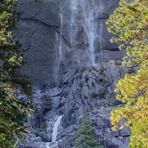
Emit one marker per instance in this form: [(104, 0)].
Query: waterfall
[(73, 26), (101, 8), (88, 11), (59, 46), (56, 128), (83, 18), (61, 40), (90, 26), (47, 145), (101, 40)]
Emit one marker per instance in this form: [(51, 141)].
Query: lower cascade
[(56, 128)]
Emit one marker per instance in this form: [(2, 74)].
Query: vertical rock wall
[(45, 32), (68, 60)]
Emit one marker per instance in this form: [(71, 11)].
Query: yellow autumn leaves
[(130, 25)]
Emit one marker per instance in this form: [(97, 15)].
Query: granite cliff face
[(61, 35), (73, 69)]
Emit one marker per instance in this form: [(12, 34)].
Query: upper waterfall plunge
[(89, 26), (84, 30)]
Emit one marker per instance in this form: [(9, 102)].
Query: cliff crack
[(54, 27)]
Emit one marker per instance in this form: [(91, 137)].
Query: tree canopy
[(13, 112), (129, 24), (87, 137)]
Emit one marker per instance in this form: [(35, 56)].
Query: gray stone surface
[(89, 91), (39, 33), (56, 37)]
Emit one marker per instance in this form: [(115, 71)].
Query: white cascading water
[(101, 40), (73, 24), (47, 145), (56, 128), (90, 26), (60, 40), (89, 11), (59, 45), (84, 14)]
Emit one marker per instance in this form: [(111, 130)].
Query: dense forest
[(129, 26)]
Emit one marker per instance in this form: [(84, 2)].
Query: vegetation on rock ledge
[(87, 137)]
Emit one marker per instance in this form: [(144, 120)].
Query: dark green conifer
[(87, 137), (13, 112)]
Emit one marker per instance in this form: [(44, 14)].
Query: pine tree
[(87, 137), (129, 23), (13, 112)]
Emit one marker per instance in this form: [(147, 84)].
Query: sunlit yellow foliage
[(129, 23)]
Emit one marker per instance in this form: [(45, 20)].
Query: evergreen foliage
[(87, 137), (129, 23), (13, 112)]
